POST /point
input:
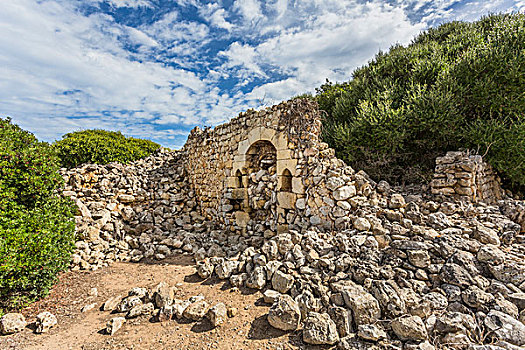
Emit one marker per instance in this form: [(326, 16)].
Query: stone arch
[(265, 147), (261, 154)]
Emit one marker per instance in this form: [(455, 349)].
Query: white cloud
[(243, 56), (336, 41), (128, 3), (57, 63), (63, 70), (249, 9), (216, 15), (141, 38)]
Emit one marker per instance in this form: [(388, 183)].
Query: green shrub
[(459, 85), (101, 147), (36, 225)]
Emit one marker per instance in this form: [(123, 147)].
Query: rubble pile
[(134, 211)]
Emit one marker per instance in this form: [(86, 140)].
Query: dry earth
[(249, 329)]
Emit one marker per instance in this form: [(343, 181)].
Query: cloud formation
[(156, 68)]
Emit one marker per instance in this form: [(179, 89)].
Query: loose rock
[(12, 323), (285, 314), (114, 325), (319, 329), (217, 314), (44, 321)]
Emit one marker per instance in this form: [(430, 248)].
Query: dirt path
[(249, 329)]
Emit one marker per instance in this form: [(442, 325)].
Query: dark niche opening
[(286, 181), (261, 155), (238, 179)]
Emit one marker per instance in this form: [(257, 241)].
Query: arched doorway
[(262, 155), (261, 172)]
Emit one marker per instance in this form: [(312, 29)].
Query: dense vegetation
[(460, 85), (36, 223), (36, 226), (101, 147)]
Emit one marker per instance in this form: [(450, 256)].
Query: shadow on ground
[(181, 260), (260, 329)]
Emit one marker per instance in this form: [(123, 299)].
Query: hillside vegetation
[(101, 147), (460, 85), (36, 224)]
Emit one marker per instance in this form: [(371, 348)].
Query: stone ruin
[(466, 177), (263, 203)]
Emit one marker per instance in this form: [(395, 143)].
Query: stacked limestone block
[(462, 176)]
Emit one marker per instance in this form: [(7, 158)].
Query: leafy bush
[(459, 85), (36, 226), (101, 147)]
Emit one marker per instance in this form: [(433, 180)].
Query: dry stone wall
[(128, 212), (248, 173), (268, 171), (462, 176)]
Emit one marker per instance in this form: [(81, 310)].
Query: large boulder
[(282, 282), (285, 314), (12, 323), (319, 329)]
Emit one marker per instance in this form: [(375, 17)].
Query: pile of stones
[(262, 197), (369, 268), (161, 305), (463, 176), (406, 275)]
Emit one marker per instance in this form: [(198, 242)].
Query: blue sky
[(157, 68)]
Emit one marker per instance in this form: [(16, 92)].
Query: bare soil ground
[(249, 329)]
